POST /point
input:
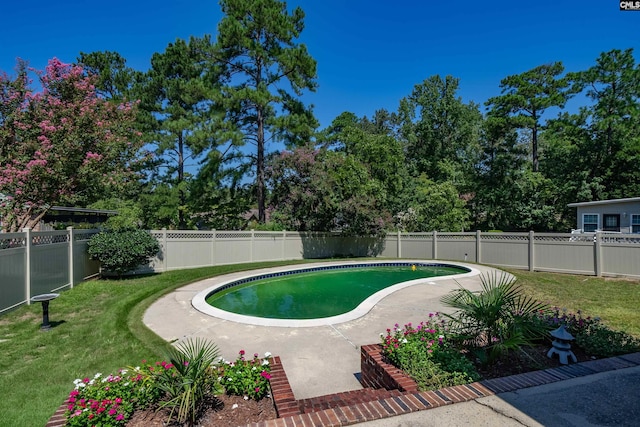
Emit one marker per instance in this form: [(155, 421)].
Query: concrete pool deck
[(319, 360)]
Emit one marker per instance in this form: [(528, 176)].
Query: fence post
[(399, 245), (284, 243), (165, 252), (478, 247), (71, 253), (597, 254), (27, 266), (532, 259), (213, 247), (253, 240), (434, 248)]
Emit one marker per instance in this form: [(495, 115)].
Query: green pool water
[(317, 294)]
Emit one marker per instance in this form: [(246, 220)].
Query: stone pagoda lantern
[(562, 345)]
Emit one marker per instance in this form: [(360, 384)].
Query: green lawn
[(98, 328), (615, 301)]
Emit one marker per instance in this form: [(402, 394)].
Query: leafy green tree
[(178, 93), (526, 96), (502, 164), (264, 74), (432, 206), (440, 132), (613, 121), (592, 154), (219, 196), (114, 79), (323, 190), (373, 144)]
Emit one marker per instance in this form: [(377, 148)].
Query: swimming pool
[(317, 294)]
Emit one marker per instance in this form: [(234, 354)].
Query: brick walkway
[(370, 404)]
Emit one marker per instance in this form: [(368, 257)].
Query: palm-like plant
[(190, 379), (496, 319)]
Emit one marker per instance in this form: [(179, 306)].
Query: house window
[(635, 223), (590, 222), (611, 222)]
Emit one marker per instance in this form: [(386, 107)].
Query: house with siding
[(615, 215)]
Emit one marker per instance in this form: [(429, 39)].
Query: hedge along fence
[(33, 263)]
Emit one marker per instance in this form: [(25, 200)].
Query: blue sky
[(370, 54)]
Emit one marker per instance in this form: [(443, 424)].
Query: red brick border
[(373, 403)]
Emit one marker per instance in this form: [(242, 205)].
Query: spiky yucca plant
[(192, 378)]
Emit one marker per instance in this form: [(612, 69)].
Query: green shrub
[(120, 251), (426, 355), (590, 335)]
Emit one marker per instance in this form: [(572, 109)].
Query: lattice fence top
[(564, 237), (504, 237), (48, 239), (415, 236), (628, 239), (271, 234), (233, 235), (11, 240), (83, 235), (457, 236), (188, 235)]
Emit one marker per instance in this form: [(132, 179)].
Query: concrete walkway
[(603, 399), (318, 360)]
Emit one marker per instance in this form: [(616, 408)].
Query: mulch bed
[(220, 412)]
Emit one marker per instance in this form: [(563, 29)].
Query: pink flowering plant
[(426, 354), (109, 400), (249, 378)]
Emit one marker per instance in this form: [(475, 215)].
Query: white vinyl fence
[(39, 262), (33, 263)]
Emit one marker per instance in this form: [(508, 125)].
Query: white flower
[(267, 354), (404, 341), (137, 368), (382, 334), (235, 405), (126, 384), (123, 372), (254, 368), (265, 362), (98, 375), (246, 397)]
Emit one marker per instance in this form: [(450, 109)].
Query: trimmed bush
[(120, 251)]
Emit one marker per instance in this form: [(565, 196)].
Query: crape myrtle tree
[(61, 145), (264, 74)]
